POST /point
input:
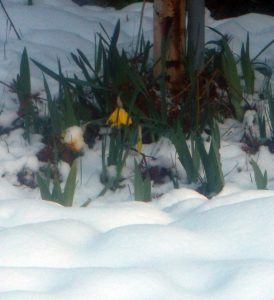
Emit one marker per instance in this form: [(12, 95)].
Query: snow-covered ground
[(179, 246)]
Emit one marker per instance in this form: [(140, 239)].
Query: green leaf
[(98, 57), (69, 115), (262, 127), (215, 173), (85, 60), (23, 89), (231, 75), (190, 164), (82, 66), (115, 37), (212, 166), (142, 186), (247, 68), (260, 178), (46, 70), (44, 188), (215, 133), (70, 185), (262, 51), (56, 194), (104, 174), (138, 82), (271, 111), (55, 116), (25, 83)]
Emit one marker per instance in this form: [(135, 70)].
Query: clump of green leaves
[(61, 110), (196, 156), (211, 162), (239, 86), (247, 68), (55, 193), (271, 110), (114, 73), (189, 158), (115, 150), (229, 67)]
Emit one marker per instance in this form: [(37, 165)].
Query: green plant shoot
[(142, 185), (260, 177)]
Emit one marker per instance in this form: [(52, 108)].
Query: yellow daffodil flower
[(119, 117)]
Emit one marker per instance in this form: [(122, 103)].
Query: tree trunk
[(196, 33), (169, 31)]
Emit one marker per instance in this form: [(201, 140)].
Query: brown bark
[(170, 28)]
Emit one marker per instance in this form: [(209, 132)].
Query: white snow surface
[(179, 246)]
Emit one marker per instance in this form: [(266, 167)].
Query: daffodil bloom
[(139, 140), (119, 117)]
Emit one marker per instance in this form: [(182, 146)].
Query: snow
[(74, 137), (179, 246)]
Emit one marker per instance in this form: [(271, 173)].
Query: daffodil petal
[(139, 146), (139, 140), (119, 117)]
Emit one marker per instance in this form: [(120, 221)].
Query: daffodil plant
[(116, 146)]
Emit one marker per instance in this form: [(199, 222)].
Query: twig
[(5, 84), (10, 20), (140, 25)]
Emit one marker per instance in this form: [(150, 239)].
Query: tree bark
[(169, 30), (196, 33)]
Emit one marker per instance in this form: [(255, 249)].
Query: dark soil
[(219, 9), (233, 8)]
